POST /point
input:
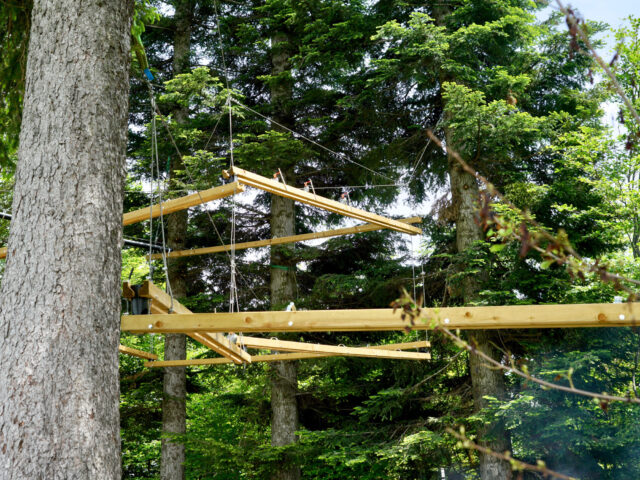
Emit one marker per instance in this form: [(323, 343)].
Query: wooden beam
[(271, 186), (182, 203), (137, 353), (287, 346), (219, 344), (161, 304), (367, 227), (466, 318), (283, 356), (127, 291), (174, 205)]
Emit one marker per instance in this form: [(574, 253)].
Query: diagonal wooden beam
[(287, 346), (466, 318), (368, 227), (161, 304), (271, 186), (282, 356), (182, 203), (174, 205), (134, 352)]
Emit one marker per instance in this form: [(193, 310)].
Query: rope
[(191, 179), (233, 287), (155, 161), (299, 135)]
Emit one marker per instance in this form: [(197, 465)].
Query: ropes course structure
[(166, 315), (208, 327), (158, 312)]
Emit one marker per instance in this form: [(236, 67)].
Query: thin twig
[(554, 386), (517, 464)]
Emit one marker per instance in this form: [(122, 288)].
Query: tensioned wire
[(192, 180)]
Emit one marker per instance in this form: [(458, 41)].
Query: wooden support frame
[(466, 318), (253, 180), (161, 305), (367, 227), (369, 352), (182, 203), (174, 205), (283, 356), (134, 352)]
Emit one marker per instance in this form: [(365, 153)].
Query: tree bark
[(60, 295), (465, 197), (174, 413), (284, 375), (485, 381)]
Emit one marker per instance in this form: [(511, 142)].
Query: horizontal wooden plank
[(367, 227), (299, 195), (174, 205), (466, 318), (134, 352), (369, 352), (283, 356), (182, 203)]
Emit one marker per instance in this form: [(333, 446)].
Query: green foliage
[(366, 79), (14, 39)]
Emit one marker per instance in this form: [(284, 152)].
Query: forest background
[(498, 80)]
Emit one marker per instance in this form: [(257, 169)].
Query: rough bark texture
[(174, 414), (485, 381), (465, 196), (284, 382), (60, 295)]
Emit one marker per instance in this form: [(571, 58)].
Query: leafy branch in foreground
[(558, 248), (410, 310), (516, 464)]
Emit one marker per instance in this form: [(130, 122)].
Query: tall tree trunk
[(465, 196), (485, 381), (284, 375), (174, 414), (60, 295)]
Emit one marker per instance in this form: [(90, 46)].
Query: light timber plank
[(160, 305), (221, 345), (137, 353), (182, 203), (174, 205), (369, 352), (368, 227), (282, 356), (271, 186), (466, 318)]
